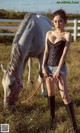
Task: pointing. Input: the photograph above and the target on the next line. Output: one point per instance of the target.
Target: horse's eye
(10, 86)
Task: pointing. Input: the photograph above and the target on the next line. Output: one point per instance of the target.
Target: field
(33, 117)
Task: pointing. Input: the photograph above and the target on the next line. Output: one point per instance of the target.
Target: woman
(56, 47)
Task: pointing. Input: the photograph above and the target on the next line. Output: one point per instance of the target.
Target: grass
(33, 117)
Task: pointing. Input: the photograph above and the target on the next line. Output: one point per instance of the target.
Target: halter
(19, 85)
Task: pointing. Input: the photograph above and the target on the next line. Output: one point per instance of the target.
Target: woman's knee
(50, 87)
(64, 90)
(51, 92)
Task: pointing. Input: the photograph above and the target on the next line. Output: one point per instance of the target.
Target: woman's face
(58, 22)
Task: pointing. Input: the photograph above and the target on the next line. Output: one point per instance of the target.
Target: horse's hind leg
(28, 60)
(43, 89)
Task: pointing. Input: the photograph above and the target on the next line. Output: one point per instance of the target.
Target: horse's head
(11, 85)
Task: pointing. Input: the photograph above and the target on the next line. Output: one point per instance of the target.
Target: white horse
(29, 41)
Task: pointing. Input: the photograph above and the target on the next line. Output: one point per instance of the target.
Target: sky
(70, 6)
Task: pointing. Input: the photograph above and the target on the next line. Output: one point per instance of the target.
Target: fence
(74, 28)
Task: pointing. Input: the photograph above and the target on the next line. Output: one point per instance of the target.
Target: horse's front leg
(43, 89)
(30, 68)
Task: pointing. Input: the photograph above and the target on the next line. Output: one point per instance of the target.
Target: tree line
(6, 14)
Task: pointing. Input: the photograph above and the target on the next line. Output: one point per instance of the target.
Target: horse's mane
(16, 54)
(16, 57)
(27, 17)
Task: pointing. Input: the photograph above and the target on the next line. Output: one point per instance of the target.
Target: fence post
(75, 29)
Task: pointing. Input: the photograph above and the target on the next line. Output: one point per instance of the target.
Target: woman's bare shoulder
(49, 33)
(67, 36)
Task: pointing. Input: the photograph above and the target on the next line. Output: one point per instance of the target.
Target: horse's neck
(16, 62)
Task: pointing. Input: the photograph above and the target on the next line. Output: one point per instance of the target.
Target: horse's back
(45, 23)
(31, 33)
(22, 26)
(45, 20)
(42, 23)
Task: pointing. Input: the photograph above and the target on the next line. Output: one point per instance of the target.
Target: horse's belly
(36, 50)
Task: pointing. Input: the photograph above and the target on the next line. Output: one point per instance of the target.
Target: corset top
(55, 52)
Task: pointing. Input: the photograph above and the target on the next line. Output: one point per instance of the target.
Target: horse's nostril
(10, 86)
(10, 103)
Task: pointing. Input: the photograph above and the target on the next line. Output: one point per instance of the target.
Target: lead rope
(50, 77)
(25, 101)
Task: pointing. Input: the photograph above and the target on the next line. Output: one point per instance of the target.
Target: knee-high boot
(70, 110)
(51, 101)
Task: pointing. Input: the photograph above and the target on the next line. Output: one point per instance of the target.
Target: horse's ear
(4, 70)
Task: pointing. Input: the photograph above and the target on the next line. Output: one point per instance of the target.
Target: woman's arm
(45, 57)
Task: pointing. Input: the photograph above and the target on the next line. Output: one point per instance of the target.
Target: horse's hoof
(32, 82)
(44, 94)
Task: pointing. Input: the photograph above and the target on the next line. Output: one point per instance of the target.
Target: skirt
(52, 69)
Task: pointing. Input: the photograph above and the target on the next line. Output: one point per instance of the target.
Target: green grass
(33, 117)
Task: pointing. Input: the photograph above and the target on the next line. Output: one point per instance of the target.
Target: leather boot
(51, 101)
(70, 110)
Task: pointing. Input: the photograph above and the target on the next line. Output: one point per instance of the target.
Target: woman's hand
(56, 75)
(45, 71)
